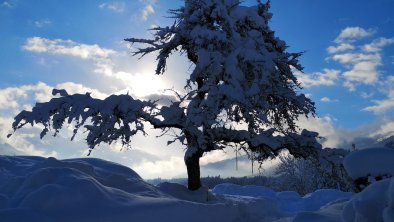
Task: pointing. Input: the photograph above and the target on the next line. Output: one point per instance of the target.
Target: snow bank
(374, 203)
(370, 162)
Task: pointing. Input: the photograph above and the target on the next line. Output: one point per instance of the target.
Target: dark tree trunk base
(193, 171)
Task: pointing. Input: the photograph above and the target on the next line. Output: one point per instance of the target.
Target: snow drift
(88, 189)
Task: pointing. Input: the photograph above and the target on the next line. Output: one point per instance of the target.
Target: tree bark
(193, 171)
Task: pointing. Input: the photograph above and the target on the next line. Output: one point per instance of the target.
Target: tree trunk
(193, 171)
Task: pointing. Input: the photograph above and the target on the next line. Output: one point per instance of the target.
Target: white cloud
(148, 10)
(15, 99)
(352, 34)
(362, 62)
(362, 72)
(215, 156)
(325, 99)
(354, 58)
(326, 78)
(21, 141)
(324, 126)
(377, 44)
(117, 7)
(340, 48)
(66, 47)
(73, 88)
(42, 23)
(139, 84)
(363, 136)
(384, 130)
(363, 68)
(7, 4)
(386, 104)
(166, 168)
(11, 97)
(104, 63)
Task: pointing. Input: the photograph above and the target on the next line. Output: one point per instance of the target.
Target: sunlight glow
(145, 84)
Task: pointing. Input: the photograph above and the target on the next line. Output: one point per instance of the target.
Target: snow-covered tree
(241, 92)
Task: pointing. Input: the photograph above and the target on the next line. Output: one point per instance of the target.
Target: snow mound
(47, 189)
(370, 162)
(374, 203)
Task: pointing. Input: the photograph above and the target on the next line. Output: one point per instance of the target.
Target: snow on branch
(165, 43)
(267, 145)
(116, 117)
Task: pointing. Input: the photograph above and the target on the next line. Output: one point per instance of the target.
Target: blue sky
(77, 45)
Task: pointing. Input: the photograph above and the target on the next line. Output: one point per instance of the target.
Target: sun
(143, 84)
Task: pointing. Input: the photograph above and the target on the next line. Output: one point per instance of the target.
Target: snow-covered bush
(307, 175)
(369, 165)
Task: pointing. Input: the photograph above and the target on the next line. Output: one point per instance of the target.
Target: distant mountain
(8, 150)
(227, 168)
(386, 142)
(369, 142)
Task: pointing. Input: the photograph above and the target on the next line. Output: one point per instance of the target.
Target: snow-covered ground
(47, 189)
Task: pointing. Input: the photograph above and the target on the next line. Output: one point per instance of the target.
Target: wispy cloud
(117, 7)
(42, 23)
(377, 44)
(383, 105)
(340, 48)
(7, 4)
(104, 63)
(148, 9)
(66, 47)
(354, 58)
(326, 78)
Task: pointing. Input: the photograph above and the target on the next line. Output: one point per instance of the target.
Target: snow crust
(88, 189)
(370, 162)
